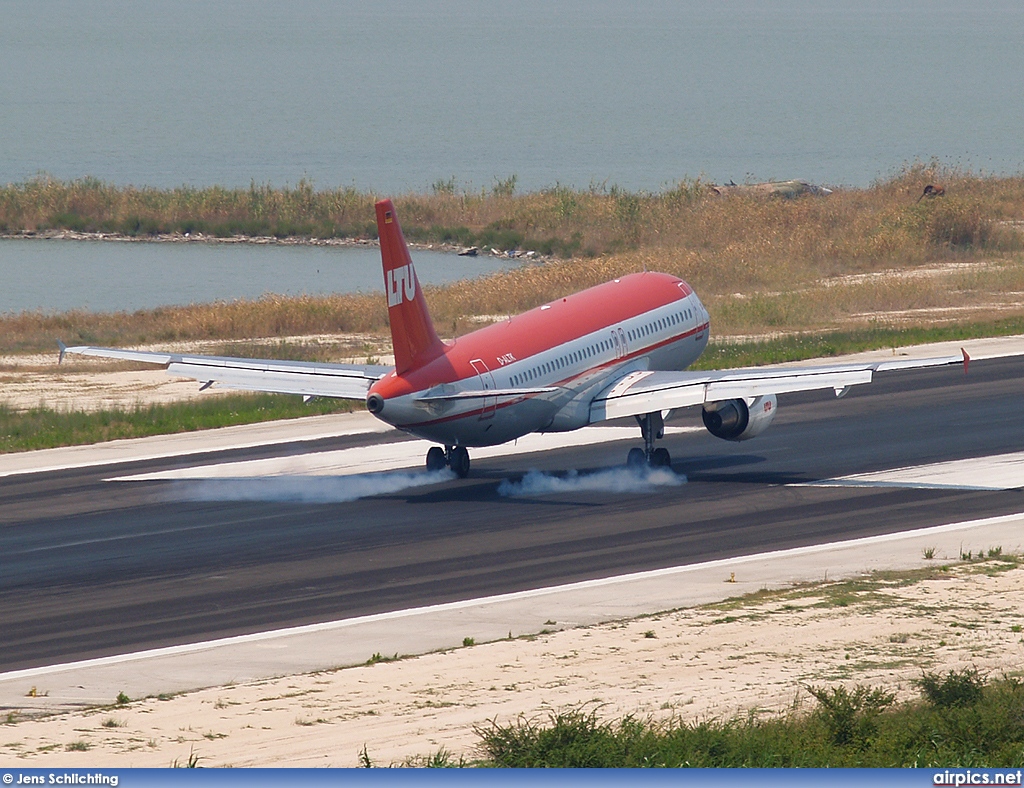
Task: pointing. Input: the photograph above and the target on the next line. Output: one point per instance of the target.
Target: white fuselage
(669, 337)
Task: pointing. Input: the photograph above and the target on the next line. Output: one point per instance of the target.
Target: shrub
(957, 688)
(850, 716)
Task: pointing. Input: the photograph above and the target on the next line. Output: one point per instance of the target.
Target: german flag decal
(387, 217)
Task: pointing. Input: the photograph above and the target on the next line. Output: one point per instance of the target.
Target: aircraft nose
(375, 404)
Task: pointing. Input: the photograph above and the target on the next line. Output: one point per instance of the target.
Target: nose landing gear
(652, 427)
(454, 457)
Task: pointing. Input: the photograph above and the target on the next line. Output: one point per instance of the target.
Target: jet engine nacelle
(738, 420)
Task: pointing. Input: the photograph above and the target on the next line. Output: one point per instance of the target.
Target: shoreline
(267, 240)
(259, 240)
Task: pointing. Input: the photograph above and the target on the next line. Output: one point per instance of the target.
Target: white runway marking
(305, 489)
(390, 456)
(999, 472)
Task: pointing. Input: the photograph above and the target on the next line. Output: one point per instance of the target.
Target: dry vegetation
(858, 257)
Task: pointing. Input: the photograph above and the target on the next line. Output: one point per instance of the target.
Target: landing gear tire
(636, 459)
(458, 461)
(660, 458)
(435, 459)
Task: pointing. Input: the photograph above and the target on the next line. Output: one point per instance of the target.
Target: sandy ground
(753, 655)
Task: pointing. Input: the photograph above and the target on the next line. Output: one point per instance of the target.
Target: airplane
(619, 349)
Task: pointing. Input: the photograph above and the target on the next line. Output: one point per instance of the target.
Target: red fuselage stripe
(608, 364)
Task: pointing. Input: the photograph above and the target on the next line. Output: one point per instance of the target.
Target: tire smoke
(614, 480)
(306, 489)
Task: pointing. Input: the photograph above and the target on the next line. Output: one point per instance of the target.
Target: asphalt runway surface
(91, 568)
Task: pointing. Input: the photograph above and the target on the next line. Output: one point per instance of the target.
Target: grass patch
(884, 221)
(721, 354)
(378, 658)
(42, 428)
(862, 727)
(865, 591)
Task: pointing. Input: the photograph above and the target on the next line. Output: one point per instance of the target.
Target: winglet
(63, 350)
(967, 359)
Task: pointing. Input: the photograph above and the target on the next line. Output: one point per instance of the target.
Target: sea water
(55, 275)
(397, 96)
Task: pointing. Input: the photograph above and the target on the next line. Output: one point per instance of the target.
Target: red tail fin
(412, 330)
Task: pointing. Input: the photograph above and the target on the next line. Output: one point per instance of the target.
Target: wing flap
(647, 392)
(743, 389)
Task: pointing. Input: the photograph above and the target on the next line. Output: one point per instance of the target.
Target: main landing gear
(454, 457)
(652, 428)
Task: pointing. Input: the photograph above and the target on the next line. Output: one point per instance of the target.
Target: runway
(92, 567)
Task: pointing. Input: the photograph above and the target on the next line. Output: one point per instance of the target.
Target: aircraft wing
(310, 379)
(646, 392)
